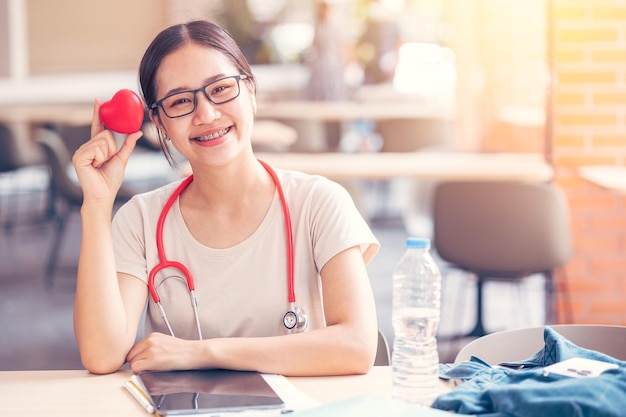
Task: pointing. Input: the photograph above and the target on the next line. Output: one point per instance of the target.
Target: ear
(156, 119)
(253, 103)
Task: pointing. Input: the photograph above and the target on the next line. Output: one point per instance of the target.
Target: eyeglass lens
(217, 92)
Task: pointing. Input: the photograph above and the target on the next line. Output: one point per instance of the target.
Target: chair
(16, 154)
(502, 230)
(519, 344)
(382, 353)
(66, 191)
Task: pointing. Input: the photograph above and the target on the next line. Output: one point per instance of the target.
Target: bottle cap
(417, 243)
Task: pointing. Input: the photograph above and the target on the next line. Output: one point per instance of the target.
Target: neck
(231, 186)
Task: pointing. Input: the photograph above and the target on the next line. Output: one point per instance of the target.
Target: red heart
(123, 113)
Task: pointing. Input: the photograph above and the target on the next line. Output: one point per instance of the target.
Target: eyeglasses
(184, 103)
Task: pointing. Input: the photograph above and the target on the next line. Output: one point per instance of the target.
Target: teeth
(213, 135)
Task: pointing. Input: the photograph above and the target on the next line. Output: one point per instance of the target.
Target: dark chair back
(502, 230)
(59, 160)
(16, 154)
(505, 229)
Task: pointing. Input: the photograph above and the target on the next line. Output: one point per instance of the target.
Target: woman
(227, 227)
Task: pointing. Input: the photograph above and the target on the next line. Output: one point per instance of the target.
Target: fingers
(97, 127)
(101, 149)
(96, 151)
(96, 123)
(128, 146)
(135, 357)
(150, 353)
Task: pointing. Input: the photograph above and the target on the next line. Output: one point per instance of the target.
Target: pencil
(139, 396)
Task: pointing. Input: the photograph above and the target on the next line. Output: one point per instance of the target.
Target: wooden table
(78, 393)
(43, 114)
(349, 110)
(420, 165)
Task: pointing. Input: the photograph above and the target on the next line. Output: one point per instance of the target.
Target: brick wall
(503, 51)
(589, 97)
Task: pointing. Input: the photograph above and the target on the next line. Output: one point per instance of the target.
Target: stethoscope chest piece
(295, 320)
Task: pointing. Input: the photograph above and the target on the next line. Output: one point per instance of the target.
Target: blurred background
(544, 79)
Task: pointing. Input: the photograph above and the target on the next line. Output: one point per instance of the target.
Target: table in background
(419, 165)
(79, 393)
(321, 125)
(43, 114)
(610, 177)
(349, 110)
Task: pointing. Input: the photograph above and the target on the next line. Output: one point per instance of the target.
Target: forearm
(100, 320)
(334, 350)
(346, 346)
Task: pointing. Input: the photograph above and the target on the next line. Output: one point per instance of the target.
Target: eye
(178, 100)
(220, 89)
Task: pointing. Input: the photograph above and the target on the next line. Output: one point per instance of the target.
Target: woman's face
(212, 134)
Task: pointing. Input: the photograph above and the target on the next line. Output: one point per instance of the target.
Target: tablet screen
(203, 391)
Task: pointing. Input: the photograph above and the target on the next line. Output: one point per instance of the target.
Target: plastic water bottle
(415, 315)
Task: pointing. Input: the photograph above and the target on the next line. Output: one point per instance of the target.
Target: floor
(37, 322)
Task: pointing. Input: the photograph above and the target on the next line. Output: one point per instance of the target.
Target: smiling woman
(186, 253)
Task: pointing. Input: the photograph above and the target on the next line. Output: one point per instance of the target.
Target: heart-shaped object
(123, 113)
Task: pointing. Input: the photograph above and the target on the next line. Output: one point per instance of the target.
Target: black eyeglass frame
(195, 92)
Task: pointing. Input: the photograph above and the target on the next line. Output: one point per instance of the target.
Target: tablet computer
(176, 393)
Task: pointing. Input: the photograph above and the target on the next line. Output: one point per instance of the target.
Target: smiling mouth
(213, 136)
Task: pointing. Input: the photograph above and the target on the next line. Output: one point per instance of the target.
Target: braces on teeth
(214, 135)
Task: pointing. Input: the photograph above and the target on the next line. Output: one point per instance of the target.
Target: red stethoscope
(294, 320)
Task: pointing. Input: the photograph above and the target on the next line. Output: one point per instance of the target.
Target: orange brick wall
(589, 127)
(503, 51)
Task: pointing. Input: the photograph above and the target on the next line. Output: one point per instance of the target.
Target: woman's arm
(346, 346)
(107, 308)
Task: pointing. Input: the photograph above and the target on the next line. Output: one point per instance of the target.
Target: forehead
(190, 66)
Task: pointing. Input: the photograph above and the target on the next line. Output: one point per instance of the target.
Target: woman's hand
(162, 352)
(99, 164)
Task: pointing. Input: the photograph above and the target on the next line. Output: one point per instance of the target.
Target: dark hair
(201, 32)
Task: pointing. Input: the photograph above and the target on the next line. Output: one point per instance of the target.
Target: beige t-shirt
(242, 290)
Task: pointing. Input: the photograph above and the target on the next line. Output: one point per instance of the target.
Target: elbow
(362, 358)
(362, 366)
(100, 356)
(100, 366)
(364, 361)
(359, 363)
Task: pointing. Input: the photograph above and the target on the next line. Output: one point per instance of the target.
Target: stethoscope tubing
(165, 263)
(289, 234)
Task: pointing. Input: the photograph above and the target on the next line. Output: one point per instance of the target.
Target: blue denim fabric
(526, 392)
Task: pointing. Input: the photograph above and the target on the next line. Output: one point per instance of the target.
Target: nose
(206, 111)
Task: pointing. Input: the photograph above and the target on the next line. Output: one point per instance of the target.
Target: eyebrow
(204, 83)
